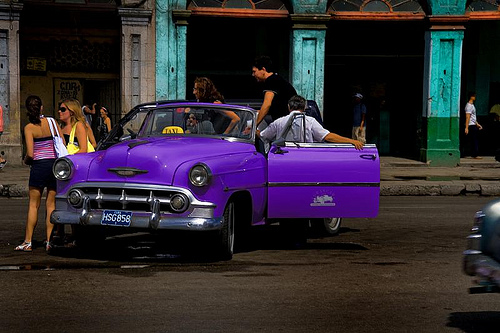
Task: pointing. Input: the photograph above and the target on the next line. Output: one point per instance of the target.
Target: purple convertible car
(200, 168)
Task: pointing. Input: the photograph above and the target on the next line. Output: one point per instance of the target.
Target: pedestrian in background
(2, 160)
(40, 156)
(472, 127)
(359, 119)
(104, 123)
(89, 113)
(92, 118)
(277, 91)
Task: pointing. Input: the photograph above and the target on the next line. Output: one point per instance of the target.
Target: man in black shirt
(277, 91)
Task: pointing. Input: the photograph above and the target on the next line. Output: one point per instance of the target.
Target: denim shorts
(41, 175)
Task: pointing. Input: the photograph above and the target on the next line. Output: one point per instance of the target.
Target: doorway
(384, 62)
(223, 49)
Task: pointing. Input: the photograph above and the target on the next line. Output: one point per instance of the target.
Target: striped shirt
(43, 148)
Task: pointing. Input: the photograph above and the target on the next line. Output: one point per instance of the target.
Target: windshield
(200, 120)
(184, 119)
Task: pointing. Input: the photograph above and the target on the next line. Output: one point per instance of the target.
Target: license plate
(116, 217)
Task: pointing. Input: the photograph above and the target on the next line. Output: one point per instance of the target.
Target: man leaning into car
(314, 132)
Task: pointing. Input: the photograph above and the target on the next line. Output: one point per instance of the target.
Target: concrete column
(11, 142)
(138, 66)
(171, 36)
(308, 55)
(442, 75)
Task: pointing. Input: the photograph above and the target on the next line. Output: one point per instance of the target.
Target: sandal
(48, 246)
(25, 246)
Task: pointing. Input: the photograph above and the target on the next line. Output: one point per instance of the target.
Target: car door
(318, 180)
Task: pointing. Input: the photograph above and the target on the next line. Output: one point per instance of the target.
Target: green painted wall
(443, 56)
(447, 7)
(308, 63)
(170, 51)
(309, 6)
(442, 141)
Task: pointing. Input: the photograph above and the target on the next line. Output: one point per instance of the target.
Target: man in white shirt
(314, 132)
(472, 126)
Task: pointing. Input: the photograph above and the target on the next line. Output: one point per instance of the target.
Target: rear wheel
(327, 226)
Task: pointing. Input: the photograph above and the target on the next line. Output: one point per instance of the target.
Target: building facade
(414, 61)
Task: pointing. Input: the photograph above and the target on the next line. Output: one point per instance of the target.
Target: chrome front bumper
(139, 220)
(485, 268)
(152, 215)
(472, 254)
(475, 263)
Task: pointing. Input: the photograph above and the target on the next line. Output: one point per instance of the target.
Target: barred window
(483, 5)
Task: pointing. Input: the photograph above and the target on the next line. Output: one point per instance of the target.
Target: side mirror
(279, 143)
(125, 138)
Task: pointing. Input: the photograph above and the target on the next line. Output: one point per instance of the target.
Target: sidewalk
(398, 176)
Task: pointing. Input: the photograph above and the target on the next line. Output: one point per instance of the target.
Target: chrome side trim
(244, 188)
(325, 145)
(336, 184)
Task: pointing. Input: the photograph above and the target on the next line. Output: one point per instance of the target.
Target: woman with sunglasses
(40, 155)
(73, 119)
(70, 113)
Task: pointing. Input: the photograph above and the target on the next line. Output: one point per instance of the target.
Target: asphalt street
(399, 272)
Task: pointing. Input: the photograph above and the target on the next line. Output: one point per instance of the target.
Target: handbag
(59, 146)
(73, 148)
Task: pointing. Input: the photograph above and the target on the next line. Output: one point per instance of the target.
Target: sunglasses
(63, 109)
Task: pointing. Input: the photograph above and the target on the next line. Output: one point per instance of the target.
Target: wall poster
(67, 88)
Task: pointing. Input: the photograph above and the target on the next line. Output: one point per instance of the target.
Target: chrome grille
(133, 199)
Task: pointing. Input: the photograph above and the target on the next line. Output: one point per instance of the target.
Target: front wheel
(225, 237)
(327, 226)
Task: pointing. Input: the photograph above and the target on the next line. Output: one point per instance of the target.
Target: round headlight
(179, 202)
(63, 169)
(75, 198)
(200, 175)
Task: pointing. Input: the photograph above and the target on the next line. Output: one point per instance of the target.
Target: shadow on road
(184, 247)
(475, 322)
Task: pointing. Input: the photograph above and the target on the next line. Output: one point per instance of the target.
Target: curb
(450, 189)
(13, 190)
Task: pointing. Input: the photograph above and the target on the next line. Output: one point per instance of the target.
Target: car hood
(154, 160)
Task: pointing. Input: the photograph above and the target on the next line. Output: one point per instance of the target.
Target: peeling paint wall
(171, 51)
